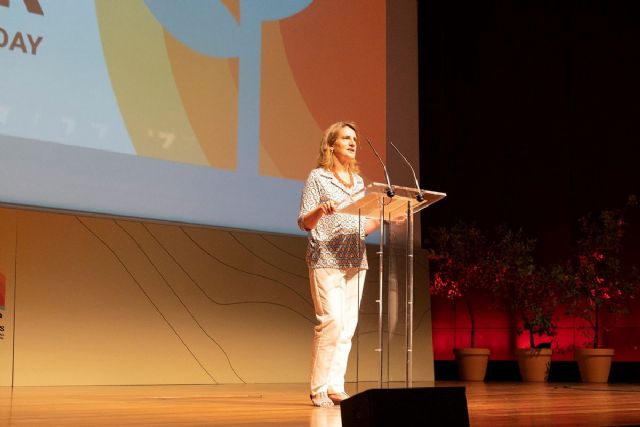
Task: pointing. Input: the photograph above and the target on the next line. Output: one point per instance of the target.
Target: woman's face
(344, 149)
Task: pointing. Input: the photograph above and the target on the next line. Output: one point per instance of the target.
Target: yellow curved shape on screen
(208, 89)
(143, 83)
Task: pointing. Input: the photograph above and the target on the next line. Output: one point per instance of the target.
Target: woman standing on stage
(336, 259)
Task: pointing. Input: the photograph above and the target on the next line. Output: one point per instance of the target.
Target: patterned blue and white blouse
(338, 239)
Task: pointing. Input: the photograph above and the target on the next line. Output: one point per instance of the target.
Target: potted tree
(461, 274)
(530, 293)
(598, 285)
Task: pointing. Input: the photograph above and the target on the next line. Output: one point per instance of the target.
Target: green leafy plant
(597, 281)
(535, 302)
(528, 291)
(461, 266)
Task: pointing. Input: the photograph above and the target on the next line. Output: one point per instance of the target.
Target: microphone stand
(420, 195)
(390, 191)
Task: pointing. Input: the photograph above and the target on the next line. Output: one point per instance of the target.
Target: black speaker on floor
(422, 406)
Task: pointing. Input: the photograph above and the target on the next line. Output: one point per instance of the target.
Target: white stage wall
(95, 300)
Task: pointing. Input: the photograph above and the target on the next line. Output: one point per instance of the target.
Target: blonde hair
(325, 158)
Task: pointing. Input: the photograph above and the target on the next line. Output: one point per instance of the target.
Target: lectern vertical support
(380, 290)
(409, 299)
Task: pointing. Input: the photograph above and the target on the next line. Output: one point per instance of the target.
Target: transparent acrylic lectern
(396, 253)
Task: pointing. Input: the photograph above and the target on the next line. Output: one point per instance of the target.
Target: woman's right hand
(328, 207)
(310, 221)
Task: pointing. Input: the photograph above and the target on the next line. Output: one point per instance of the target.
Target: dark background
(529, 112)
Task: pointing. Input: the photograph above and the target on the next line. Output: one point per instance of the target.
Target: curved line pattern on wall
(262, 276)
(281, 249)
(193, 317)
(209, 297)
(141, 288)
(264, 260)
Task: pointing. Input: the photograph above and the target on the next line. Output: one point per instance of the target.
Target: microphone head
(390, 192)
(420, 197)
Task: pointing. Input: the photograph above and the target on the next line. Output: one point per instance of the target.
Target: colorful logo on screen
(19, 40)
(33, 6)
(244, 86)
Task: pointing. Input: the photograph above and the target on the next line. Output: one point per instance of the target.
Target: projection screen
(201, 111)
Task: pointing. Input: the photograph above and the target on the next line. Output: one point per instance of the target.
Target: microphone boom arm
(420, 195)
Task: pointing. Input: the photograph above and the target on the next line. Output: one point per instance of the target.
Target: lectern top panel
(373, 198)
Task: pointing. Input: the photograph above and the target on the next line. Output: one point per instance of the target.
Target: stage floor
(490, 404)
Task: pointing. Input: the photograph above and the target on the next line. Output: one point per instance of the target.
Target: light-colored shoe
(336, 398)
(321, 400)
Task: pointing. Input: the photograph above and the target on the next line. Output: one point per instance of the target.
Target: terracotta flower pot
(472, 363)
(534, 363)
(594, 364)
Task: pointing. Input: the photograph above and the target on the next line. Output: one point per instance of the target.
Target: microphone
(420, 195)
(390, 192)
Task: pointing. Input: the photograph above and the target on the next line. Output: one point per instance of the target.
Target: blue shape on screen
(63, 92)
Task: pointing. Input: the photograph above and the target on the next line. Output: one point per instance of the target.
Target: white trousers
(336, 298)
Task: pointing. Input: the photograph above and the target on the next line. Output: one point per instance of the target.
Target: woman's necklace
(343, 182)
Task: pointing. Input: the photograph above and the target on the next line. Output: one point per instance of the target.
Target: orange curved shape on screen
(289, 134)
(337, 53)
(208, 90)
